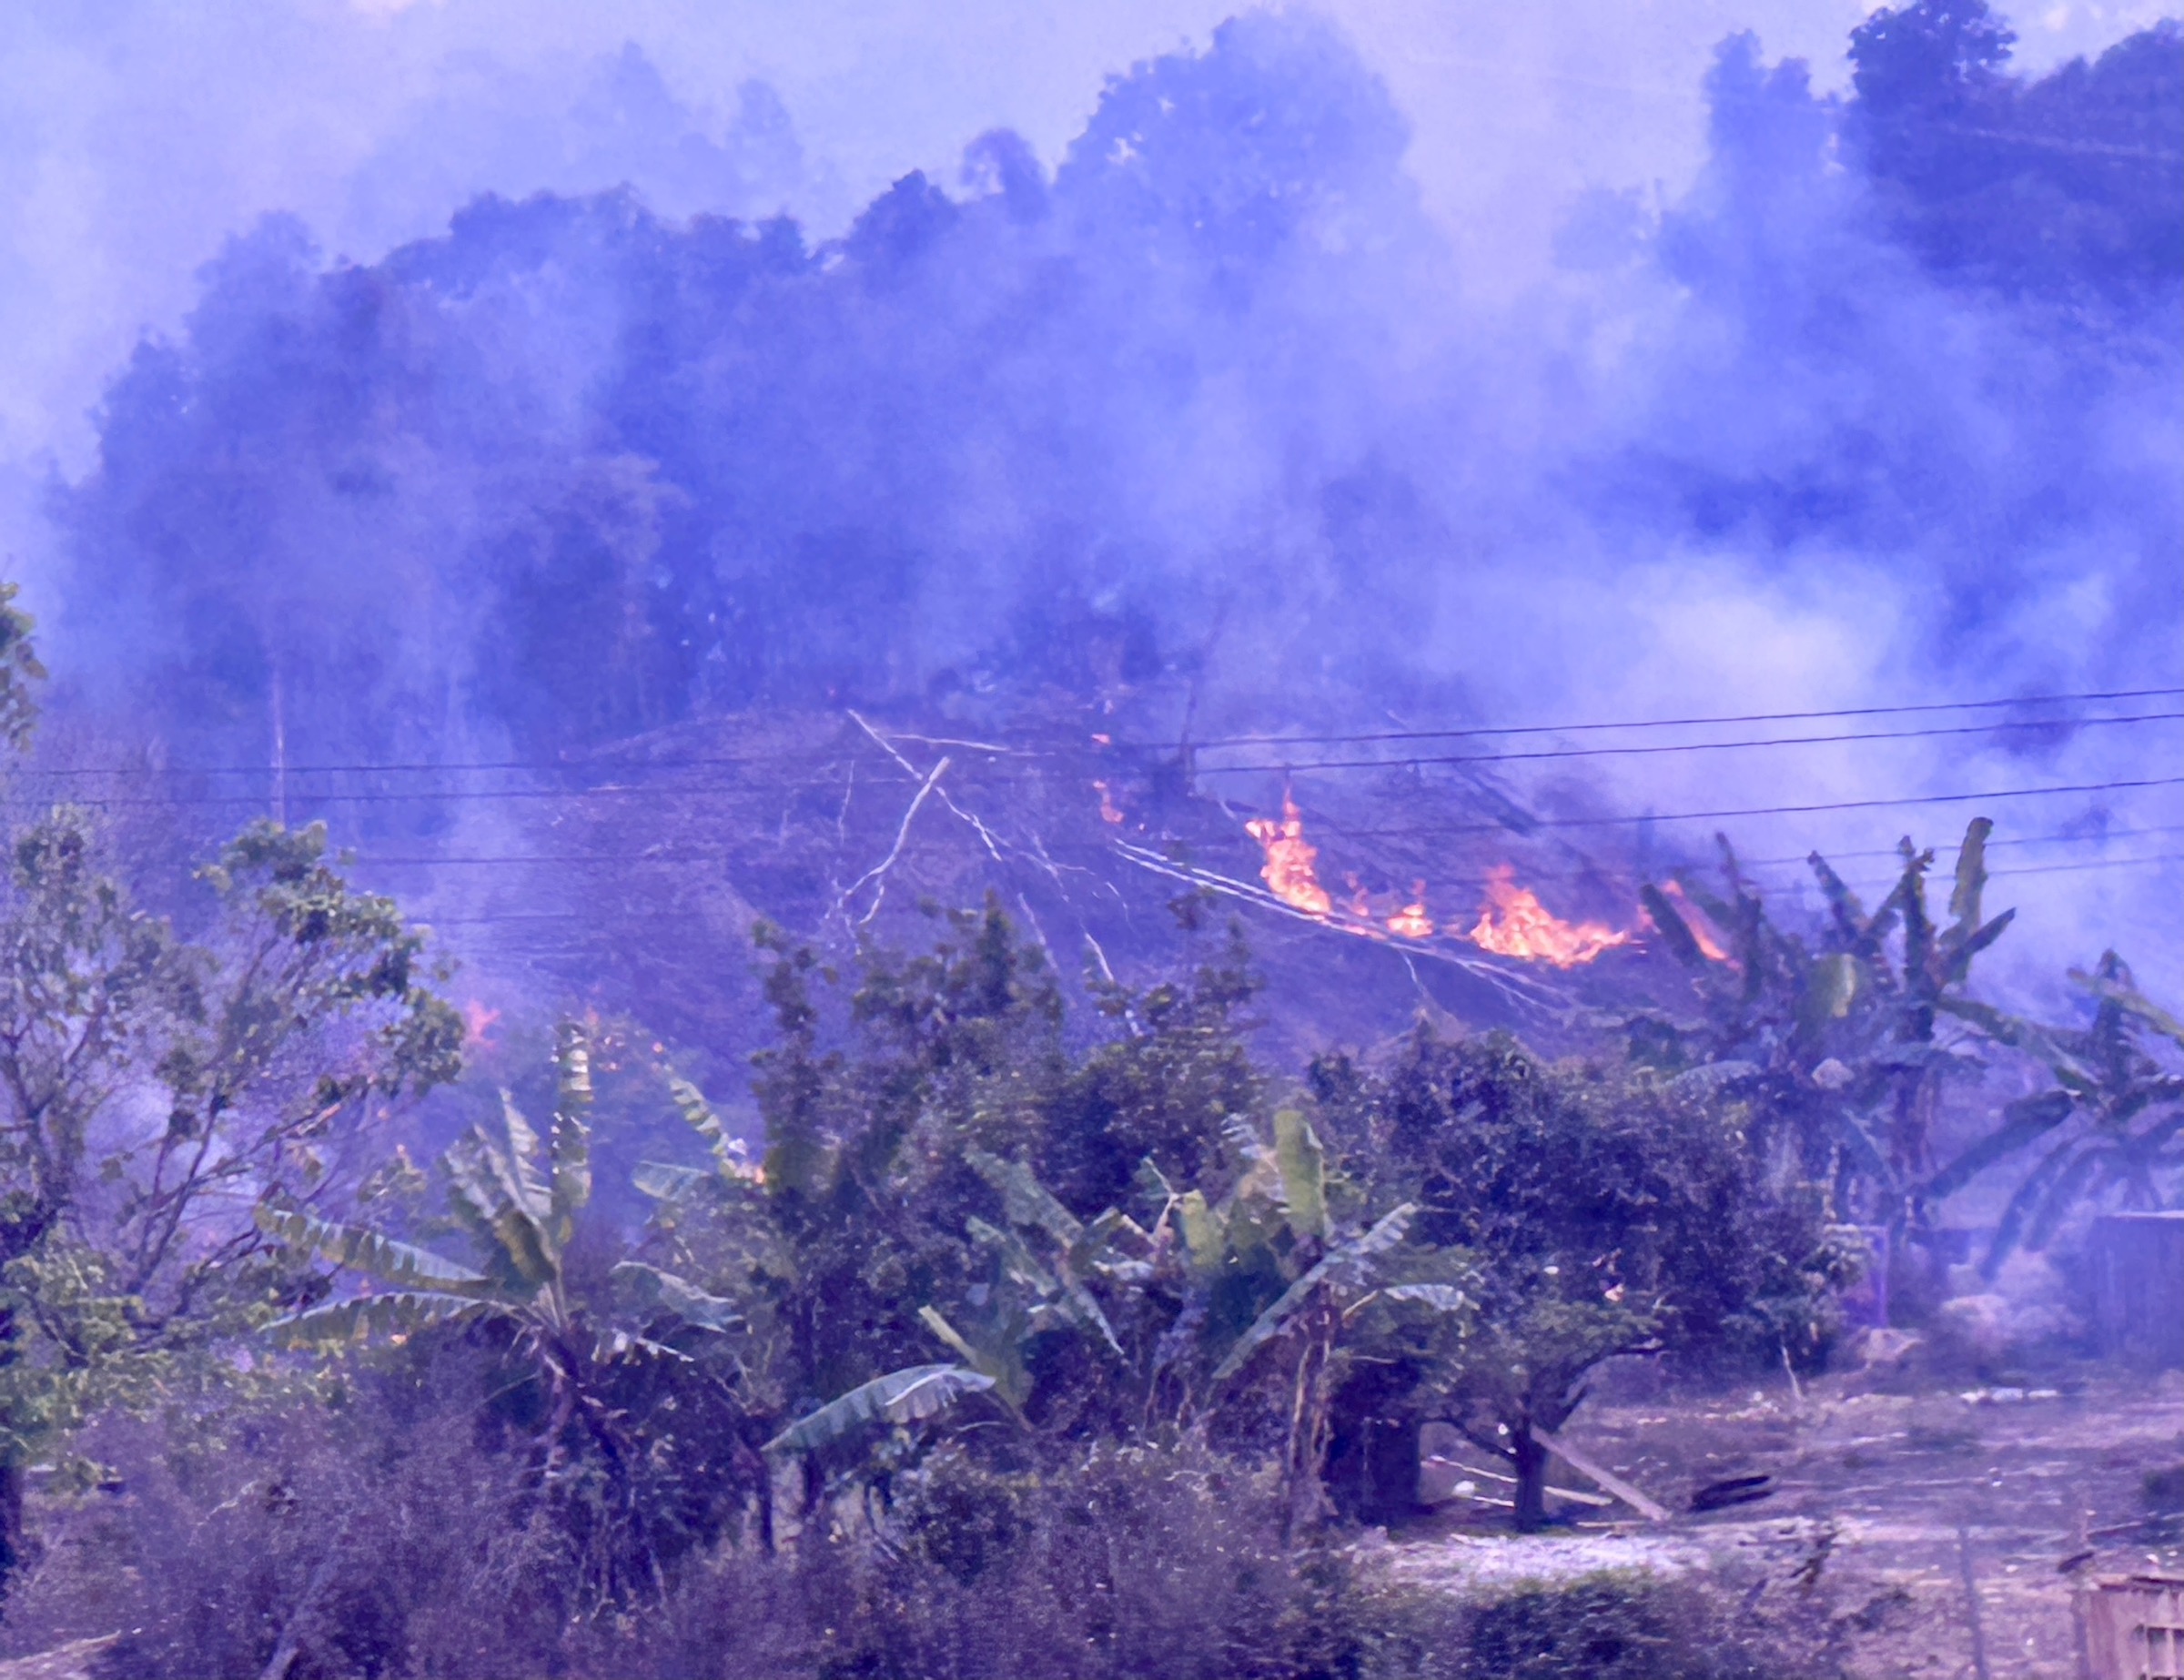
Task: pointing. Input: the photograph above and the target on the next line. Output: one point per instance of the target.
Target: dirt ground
(1886, 1502)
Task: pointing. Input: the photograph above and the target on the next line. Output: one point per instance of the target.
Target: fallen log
(1648, 1509)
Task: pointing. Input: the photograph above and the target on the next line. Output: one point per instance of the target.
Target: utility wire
(426, 919)
(1677, 723)
(731, 761)
(620, 790)
(1678, 746)
(1702, 816)
(382, 861)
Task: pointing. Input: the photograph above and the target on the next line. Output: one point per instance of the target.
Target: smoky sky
(1877, 403)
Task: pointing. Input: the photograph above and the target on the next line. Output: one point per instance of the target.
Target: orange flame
(1694, 918)
(1109, 812)
(1411, 921)
(478, 1022)
(1289, 872)
(1528, 929)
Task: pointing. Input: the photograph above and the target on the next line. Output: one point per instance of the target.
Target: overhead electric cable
(1408, 760)
(1681, 722)
(729, 761)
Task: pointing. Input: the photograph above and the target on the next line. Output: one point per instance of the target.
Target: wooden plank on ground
(1607, 1479)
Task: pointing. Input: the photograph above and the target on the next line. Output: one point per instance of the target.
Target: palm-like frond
(1024, 1199)
(906, 1396)
(571, 1149)
(399, 1312)
(1303, 1165)
(382, 1259)
(1340, 1265)
(664, 1288)
(489, 1196)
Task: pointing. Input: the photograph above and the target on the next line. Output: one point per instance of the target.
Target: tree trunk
(1531, 1480)
(14, 1544)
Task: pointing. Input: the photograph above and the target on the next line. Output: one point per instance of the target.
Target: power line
(1679, 746)
(722, 856)
(426, 919)
(731, 761)
(1680, 723)
(623, 791)
(1837, 804)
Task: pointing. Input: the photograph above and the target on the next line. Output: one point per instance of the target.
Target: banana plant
(520, 1198)
(2112, 1124)
(1042, 1264)
(1836, 1040)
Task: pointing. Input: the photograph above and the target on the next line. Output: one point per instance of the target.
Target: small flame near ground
(1411, 922)
(1527, 929)
(1291, 869)
(478, 1023)
(1513, 922)
(1109, 812)
(1701, 924)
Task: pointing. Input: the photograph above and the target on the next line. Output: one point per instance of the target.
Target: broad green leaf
(1340, 1264)
(906, 1396)
(666, 1289)
(1091, 1249)
(2022, 1121)
(2023, 1204)
(933, 1320)
(1832, 987)
(1918, 928)
(519, 1163)
(1017, 1261)
(663, 1182)
(1971, 878)
(1201, 1232)
(1850, 914)
(1024, 1199)
(481, 1189)
(1674, 931)
(571, 1150)
(1961, 955)
(381, 1258)
(1441, 1297)
(366, 1317)
(2132, 1001)
(1004, 1363)
(1298, 1154)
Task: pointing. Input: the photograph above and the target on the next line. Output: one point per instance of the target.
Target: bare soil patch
(1885, 1502)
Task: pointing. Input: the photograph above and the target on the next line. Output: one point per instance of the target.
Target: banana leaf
(2023, 1121)
(1023, 1199)
(381, 1258)
(1338, 1265)
(571, 1149)
(480, 1190)
(663, 1289)
(1674, 931)
(1297, 1155)
(663, 1182)
(1971, 879)
(906, 1396)
(401, 1313)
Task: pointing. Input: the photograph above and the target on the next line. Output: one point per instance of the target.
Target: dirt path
(1888, 1499)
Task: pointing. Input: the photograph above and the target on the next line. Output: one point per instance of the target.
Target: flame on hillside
(1109, 812)
(1514, 922)
(1411, 921)
(1291, 869)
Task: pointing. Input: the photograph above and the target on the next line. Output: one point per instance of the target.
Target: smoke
(1884, 410)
